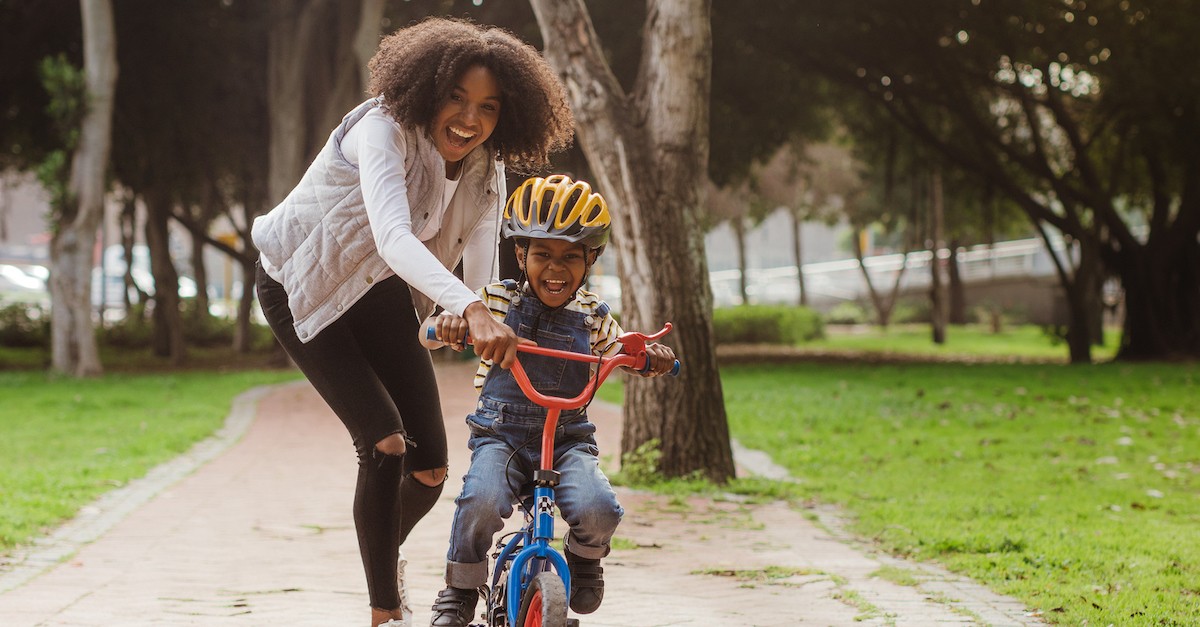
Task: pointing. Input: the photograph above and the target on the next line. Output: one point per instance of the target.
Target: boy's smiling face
(554, 268)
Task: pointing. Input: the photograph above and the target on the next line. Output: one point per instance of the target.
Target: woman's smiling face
(554, 268)
(468, 118)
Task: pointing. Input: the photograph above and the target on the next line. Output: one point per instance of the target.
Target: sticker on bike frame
(545, 505)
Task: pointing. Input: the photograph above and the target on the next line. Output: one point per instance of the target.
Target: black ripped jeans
(370, 369)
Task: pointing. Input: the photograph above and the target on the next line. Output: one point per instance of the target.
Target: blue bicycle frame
(533, 552)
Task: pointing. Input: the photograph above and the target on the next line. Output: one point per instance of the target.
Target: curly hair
(417, 67)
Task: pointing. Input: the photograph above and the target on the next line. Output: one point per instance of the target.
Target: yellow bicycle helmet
(556, 207)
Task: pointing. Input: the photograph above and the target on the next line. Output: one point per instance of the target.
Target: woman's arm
(379, 150)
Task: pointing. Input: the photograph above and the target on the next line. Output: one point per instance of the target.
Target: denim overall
(506, 435)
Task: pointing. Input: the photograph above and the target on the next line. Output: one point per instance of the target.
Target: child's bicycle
(530, 578)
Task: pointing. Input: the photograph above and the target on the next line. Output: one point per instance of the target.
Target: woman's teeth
(460, 136)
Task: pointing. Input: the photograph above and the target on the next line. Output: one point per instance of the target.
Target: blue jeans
(505, 446)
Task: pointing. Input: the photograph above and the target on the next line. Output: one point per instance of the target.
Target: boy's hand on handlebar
(451, 330)
(493, 340)
(661, 360)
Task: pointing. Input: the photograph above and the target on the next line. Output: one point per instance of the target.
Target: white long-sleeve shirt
(376, 145)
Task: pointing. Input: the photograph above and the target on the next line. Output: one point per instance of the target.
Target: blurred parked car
(23, 284)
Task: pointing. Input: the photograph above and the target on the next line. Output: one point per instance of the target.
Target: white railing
(842, 280)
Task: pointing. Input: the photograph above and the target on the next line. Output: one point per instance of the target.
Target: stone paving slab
(260, 533)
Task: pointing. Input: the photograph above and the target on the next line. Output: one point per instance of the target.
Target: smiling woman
(409, 184)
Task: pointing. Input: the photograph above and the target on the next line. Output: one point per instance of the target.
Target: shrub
(202, 331)
(848, 312)
(766, 324)
(132, 331)
(912, 311)
(24, 326)
(640, 467)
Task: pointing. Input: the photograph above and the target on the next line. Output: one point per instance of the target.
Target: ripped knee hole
(431, 478)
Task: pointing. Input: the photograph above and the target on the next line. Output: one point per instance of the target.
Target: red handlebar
(634, 356)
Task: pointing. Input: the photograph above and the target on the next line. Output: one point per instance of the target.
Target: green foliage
(54, 173)
(132, 331)
(847, 312)
(67, 87)
(911, 311)
(640, 469)
(203, 329)
(766, 324)
(641, 466)
(24, 326)
(136, 330)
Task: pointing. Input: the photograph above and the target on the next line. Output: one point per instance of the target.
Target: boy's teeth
(461, 133)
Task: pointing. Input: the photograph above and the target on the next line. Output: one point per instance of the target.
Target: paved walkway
(253, 528)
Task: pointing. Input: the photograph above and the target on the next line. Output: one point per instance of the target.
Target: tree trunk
(168, 340)
(958, 291)
(242, 338)
(1162, 303)
(127, 225)
(1085, 301)
(316, 59)
(73, 338)
(200, 274)
(937, 290)
(73, 342)
(739, 238)
(649, 153)
(798, 257)
(883, 305)
(1075, 287)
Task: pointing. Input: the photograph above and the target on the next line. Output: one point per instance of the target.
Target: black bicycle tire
(548, 587)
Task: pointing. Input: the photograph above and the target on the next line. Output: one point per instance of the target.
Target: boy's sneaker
(587, 583)
(454, 607)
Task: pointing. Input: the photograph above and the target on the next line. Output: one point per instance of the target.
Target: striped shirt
(604, 332)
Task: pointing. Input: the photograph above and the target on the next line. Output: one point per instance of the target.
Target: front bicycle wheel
(544, 603)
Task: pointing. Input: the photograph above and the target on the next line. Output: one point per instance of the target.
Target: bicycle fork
(545, 479)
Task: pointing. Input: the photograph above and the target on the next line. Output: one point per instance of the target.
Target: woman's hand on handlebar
(493, 340)
(661, 360)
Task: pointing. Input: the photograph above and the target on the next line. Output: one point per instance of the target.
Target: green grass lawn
(66, 441)
(1075, 489)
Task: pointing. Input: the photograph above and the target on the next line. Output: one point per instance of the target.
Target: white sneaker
(405, 606)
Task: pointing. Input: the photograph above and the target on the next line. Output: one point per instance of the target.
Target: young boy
(560, 228)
